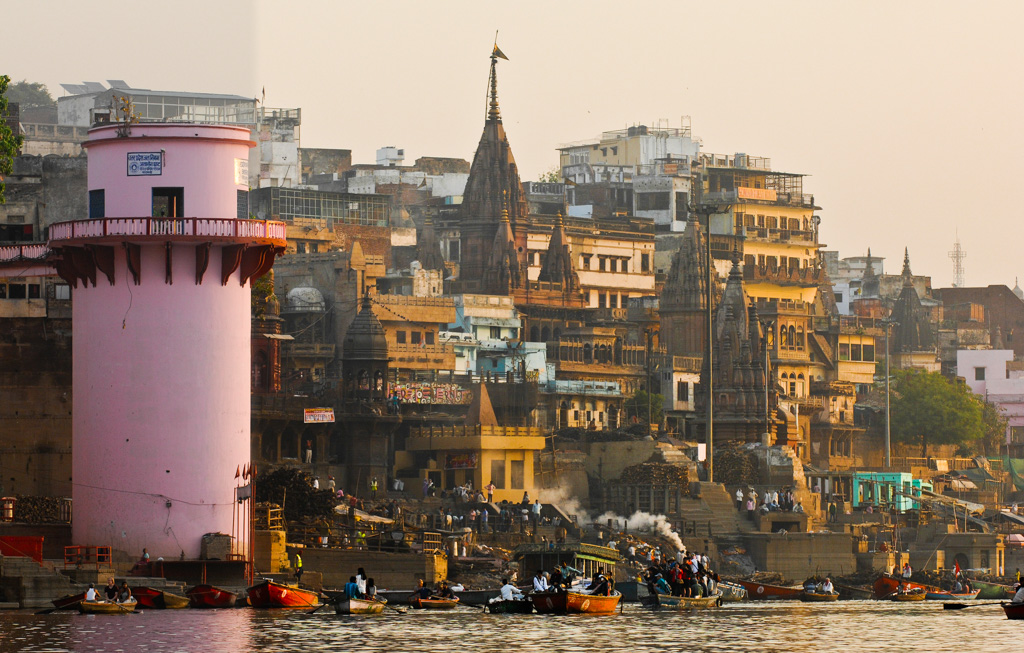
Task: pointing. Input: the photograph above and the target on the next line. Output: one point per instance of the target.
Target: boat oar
(396, 609)
(47, 611)
(964, 606)
(319, 607)
(126, 610)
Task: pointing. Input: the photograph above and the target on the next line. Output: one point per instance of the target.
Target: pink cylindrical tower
(161, 332)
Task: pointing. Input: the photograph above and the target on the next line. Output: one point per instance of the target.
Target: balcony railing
(10, 253)
(784, 275)
(196, 227)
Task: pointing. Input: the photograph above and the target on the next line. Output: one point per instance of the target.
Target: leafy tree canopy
(926, 408)
(637, 406)
(554, 175)
(10, 142)
(30, 94)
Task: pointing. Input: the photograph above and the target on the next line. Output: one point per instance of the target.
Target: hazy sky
(906, 115)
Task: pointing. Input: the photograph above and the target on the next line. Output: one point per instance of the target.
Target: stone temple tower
(161, 322)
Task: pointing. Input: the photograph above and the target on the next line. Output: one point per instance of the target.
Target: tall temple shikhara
(494, 210)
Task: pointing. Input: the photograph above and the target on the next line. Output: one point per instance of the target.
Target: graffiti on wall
(430, 393)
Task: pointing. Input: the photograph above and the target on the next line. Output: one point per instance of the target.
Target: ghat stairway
(711, 505)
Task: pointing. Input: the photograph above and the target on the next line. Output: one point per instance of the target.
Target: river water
(782, 626)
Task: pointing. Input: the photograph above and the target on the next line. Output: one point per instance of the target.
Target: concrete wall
(390, 571)
(799, 555)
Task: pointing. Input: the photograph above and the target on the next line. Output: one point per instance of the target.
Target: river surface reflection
(788, 626)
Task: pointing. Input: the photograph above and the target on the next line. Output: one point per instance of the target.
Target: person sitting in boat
(90, 594)
(111, 590)
(352, 589)
(125, 593)
(540, 584)
(600, 585)
(1017, 598)
(569, 574)
(958, 587)
(556, 581)
(421, 590)
(661, 585)
(371, 590)
(444, 591)
(827, 587)
(509, 591)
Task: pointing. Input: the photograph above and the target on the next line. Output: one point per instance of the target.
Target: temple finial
(493, 112)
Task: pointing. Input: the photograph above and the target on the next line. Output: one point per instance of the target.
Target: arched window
(268, 447)
(289, 444)
(557, 334)
(378, 381)
(785, 339)
(545, 334)
(792, 336)
(748, 262)
(534, 334)
(259, 371)
(364, 380)
(587, 353)
(800, 337)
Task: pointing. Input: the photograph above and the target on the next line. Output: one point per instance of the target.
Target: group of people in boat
(112, 593)
(361, 587)
(690, 578)
(824, 587)
(562, 577)
(440, 591)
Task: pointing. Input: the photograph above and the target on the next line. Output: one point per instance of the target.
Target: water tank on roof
(303, 299)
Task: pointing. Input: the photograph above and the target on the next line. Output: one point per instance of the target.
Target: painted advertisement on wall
(430, 393)
(460, 460)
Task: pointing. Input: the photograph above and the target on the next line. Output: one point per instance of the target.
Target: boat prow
(269, 594)
(107, 607)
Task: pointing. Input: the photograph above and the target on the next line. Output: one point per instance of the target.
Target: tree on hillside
(927, 408)
(993, 439)
(10, 142)
(30, 94)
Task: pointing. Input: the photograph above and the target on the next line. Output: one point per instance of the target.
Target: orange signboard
(767, 194)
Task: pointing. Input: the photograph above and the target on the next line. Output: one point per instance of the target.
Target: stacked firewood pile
(655, 474)
(37, 510)
(264, 510)
(734, 466)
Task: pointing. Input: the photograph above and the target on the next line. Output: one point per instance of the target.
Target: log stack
(37, 510)
(734, 466)
(655, 474)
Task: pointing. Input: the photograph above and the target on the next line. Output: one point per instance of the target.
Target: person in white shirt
(827, 586)
(739, 498)
(90, 594)
(509, 591)
(1019, 596)
(540, 584)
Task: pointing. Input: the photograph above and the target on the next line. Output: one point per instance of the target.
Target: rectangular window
(33, 291)
(495, 333)
(682, 202)
(645, 262)
(613, 265)
(979, 373)
(242, 212)
(652, 201)
(518, 474)
(400, 337)
(498, 474)
(300, 247)
(61, 291)
(16, 291)
(855, 354)
(869, 353)
(415, 336)
(839, 297)
(3, 291)
(844, 351)
(168, 202)
(601, 300)
(429, 336)
(601, 263)
(585, 261)
(613, 300)
(97, 204)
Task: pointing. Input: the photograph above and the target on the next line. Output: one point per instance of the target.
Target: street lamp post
(888, 461)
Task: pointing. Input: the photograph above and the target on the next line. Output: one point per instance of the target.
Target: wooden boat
(1013, 610)
(359, 606)
(849, 592)
(818, 597)
(993, 590)
(576, 602)
(515, 606)
(269, 594)
(433, 603)
(731, 592)
(208, 596)
(912, 595)
(159, 599)
(951, 596)
(664, 601)
(765, 592)
(69, 602)
(886, 585)
(107, 607)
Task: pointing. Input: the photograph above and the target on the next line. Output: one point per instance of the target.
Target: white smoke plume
(563, 497)
(645, 521)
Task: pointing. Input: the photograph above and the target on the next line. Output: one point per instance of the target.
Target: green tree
(30, 94)
(993, 440)
(10, 142)
(554, 175)
(637, 405)
(926, 408)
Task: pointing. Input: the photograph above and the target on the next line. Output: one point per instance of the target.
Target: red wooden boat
(433, 604)
(154, 599)
(69, 602)
(269, 594)
(575, 602)
(886, 585)
(208, 596)
(1013, 610)
(765, 592)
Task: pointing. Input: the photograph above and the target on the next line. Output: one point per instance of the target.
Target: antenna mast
(957, 254)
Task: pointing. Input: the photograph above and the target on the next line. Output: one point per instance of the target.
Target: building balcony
(770, 307)
(784, 276)
(422, 356)
(687, 363)
(478, 437)
(309, 350)
(163, 229)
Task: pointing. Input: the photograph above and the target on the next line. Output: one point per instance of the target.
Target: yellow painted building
(478, 453)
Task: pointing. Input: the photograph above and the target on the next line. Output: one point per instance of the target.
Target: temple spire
(908, 278)
(493, 112)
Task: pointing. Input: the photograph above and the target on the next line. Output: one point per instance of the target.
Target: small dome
(365, 338)
(304, 299)
(1016, 289)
